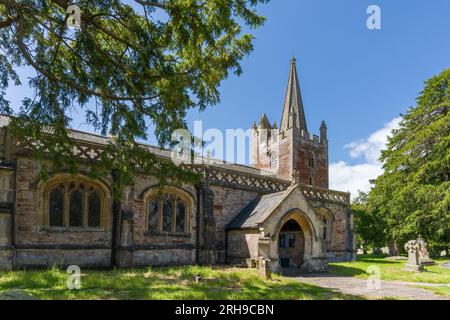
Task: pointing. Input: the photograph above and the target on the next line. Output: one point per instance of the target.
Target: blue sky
(357, 80)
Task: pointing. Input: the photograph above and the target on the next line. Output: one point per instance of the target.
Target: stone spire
(293, 112)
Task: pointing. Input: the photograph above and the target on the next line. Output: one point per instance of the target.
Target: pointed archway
(291, 245)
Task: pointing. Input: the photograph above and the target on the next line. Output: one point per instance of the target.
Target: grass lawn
(443, 291)
(391, 270)
(162, 283)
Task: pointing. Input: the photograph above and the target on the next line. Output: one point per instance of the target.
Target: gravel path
(387, 289)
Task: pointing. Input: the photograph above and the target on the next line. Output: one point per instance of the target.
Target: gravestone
(424, 256)
(251, 263)
(446, 265)
(264, 268)
(413, 264)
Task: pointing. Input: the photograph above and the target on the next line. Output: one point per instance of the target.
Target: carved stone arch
(305, 223)
(324, 210)
(155, 187)
(38, 182)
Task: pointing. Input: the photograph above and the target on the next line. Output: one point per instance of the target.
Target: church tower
(291, 151)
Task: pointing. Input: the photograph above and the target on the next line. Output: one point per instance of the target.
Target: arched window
(326, 219)
(74, 202)
(167, 212)
(325, 228)
(311, 160)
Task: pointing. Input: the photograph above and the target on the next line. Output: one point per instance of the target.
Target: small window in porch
(287, 241)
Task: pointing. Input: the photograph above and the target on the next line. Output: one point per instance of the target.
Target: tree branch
(152, 4)
(8, 22)
(50, 76)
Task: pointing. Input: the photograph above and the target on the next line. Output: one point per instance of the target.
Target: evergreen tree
(131, 66)
(413, 193)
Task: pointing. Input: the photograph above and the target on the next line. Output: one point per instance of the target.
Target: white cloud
(347, 177)
(371, 147)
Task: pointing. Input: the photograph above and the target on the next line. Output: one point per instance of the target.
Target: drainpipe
(115, 237)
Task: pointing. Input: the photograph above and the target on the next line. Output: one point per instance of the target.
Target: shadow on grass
(379, 261)
(344, 271)
(165, 284)
(333, 271)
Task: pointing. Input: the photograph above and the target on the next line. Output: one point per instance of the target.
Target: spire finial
(293, 60)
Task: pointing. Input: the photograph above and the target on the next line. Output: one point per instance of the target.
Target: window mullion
(66, 206)
(160, 214)
(85, 206)
(174, 214)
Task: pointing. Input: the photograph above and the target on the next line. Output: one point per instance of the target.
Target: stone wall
(40, 245)
(153, 248)
(286, 152)
(142, 258)
(292, 149)
(340, 247)
(242, 244)
(303, 146)
(21, 205)
(227, 204)
(30, 211)
(31, 258)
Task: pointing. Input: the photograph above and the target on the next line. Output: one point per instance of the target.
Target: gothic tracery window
(167, 213)
(74, 203)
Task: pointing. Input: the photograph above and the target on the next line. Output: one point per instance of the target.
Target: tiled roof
(257, 210)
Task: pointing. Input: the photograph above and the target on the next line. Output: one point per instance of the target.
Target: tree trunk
(393, 249)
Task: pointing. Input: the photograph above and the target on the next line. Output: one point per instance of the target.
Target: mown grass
(443, 291)
(392, 270)
(164, 283)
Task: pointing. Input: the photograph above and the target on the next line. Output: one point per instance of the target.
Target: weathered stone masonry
(235, 214)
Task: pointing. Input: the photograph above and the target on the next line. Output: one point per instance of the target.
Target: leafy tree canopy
(125, 68)
(413, 194)
(370, 226)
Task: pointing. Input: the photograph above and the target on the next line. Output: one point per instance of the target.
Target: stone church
(235, 216)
